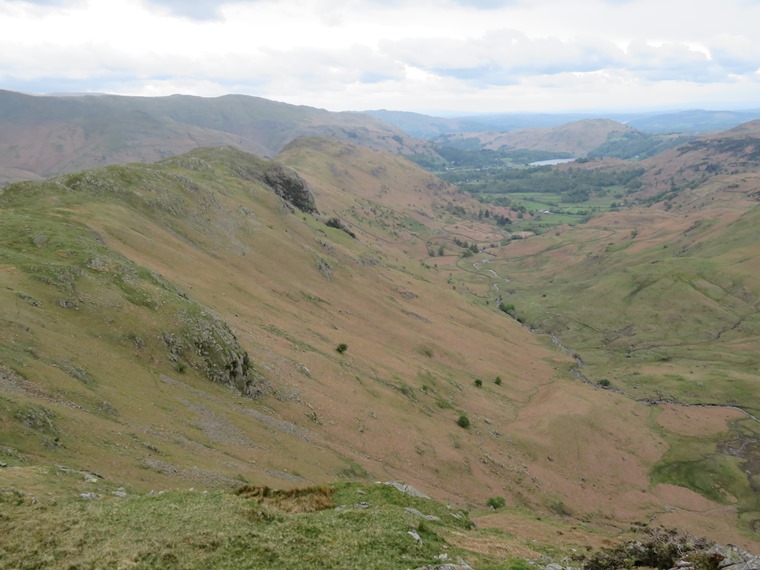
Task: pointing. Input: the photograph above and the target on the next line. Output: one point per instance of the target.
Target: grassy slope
(347, 526)
(662, 303)
(96, 267)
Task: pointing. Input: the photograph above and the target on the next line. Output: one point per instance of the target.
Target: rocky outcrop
(289, 186)
(664, 549)
(207, 344)
(283, 181)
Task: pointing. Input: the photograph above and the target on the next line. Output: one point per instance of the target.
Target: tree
(508, 308)
(496, 502)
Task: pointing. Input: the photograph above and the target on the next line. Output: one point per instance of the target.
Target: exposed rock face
(289, 186)
(407, 489)
(208, 344)
(664, 549)
(283, 181)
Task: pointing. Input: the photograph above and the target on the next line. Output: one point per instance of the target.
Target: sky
(431, 56)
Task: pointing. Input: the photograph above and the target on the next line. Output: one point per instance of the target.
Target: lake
(551, 162)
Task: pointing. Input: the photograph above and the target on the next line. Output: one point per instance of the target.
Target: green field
(545, 197)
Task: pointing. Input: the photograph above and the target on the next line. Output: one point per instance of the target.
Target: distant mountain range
(690, 122)
(576, 138)
(42, 136)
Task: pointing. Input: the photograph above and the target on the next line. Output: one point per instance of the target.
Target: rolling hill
(697, 121)
(42, 136)
(577, 138)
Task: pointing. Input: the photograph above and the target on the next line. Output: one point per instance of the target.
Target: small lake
(552, 162)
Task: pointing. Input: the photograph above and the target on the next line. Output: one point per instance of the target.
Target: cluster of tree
(500, 219)
(432, 252)
(574, 185)
(467, 154)
(469, 247)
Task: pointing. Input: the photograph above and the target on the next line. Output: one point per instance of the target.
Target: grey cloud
(505, 57)
(501, 57)
(672, 61)
(313, 69)
(737, 54)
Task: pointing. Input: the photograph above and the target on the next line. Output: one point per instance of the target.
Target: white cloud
(418, 55)
(195, 9)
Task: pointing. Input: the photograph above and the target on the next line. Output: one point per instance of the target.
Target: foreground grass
(345, 526)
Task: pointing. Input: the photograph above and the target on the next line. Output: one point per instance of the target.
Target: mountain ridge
(48, 135)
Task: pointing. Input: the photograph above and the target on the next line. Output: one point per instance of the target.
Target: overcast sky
(432, 56)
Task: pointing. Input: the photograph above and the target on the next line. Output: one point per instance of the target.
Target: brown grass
(298, 500)
(696, 421)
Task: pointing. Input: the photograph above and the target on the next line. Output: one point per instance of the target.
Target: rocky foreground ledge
(664, 549)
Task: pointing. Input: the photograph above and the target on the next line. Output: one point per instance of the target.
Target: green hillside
(660, 303)
(216, 320)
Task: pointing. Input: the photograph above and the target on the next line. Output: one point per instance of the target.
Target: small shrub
(478, 383)
(341, 348)
(508, 308)
(559, 508)
(604, 383)
(338, 224)
(497, 381)
(407, 391)
(496, 502)
(425, 351)
(463, 421)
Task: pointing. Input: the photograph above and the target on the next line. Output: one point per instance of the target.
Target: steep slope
(42, 136)
(722, 163)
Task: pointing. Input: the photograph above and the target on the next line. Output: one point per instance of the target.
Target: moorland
(222, 342)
